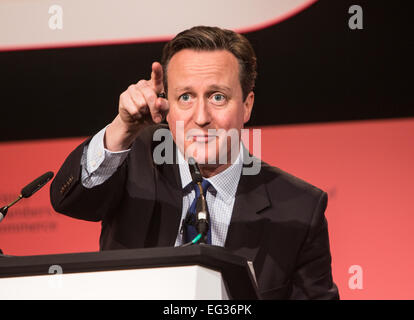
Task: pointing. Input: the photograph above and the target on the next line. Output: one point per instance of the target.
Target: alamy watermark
(56, 281)
(55, 21)
(356, 280)
(355, 22)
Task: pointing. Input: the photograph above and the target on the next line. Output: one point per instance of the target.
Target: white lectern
(197, 272)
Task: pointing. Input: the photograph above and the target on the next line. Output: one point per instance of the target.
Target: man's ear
(248, 106)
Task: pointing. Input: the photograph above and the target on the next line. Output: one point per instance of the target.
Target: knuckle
(122, 100)
(132, 90)
(141, 83)
(140, 101)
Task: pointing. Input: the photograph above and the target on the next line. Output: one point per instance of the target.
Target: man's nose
(201, 115)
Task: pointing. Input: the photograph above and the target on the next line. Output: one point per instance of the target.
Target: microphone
(28, 191)
(202, 215)
(195, 171)
(36, 184)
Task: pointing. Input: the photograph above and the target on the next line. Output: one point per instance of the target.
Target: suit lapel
(167, 212)
(247, 226)
(169, 202)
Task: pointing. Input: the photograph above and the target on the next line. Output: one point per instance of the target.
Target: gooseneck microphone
(28, 191)
(202, 215)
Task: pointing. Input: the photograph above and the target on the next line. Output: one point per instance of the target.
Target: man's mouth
(204, 138)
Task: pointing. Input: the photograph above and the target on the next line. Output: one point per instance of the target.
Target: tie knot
(205, 184)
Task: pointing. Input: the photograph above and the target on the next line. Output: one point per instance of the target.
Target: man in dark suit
(204, 88)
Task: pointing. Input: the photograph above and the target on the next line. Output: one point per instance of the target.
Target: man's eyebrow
(183, 89)
(213, 87)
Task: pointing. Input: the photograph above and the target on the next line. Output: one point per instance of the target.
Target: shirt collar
(225, 183)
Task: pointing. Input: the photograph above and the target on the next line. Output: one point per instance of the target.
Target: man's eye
(185, 97)
(219, 98)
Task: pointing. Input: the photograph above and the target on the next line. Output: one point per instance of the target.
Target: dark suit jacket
(278, 220)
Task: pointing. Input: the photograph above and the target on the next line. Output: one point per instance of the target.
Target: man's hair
(203, 38)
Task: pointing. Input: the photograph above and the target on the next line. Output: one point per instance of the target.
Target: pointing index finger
(157, 77)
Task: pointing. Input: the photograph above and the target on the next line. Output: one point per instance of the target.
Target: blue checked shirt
(98, 164)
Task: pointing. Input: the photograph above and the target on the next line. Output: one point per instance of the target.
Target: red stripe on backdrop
(365, 166)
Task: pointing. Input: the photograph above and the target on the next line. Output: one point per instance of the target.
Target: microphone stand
(26, 192)
(202, 216)
(3, 211)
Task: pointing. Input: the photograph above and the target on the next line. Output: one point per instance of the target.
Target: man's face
(205, 95)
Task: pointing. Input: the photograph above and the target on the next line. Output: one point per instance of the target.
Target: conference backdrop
(333, 104)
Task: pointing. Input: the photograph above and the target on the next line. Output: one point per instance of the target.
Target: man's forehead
(219, 66)
(199, 59)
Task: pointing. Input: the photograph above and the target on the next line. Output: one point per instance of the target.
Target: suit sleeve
(69, 196)
(313, 274)
(99, 164)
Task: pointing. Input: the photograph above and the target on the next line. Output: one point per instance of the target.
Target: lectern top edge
(234, 269)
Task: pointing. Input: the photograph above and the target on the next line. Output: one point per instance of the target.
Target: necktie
(190, 231)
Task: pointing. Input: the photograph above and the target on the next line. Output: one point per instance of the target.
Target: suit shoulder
(276, 177)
